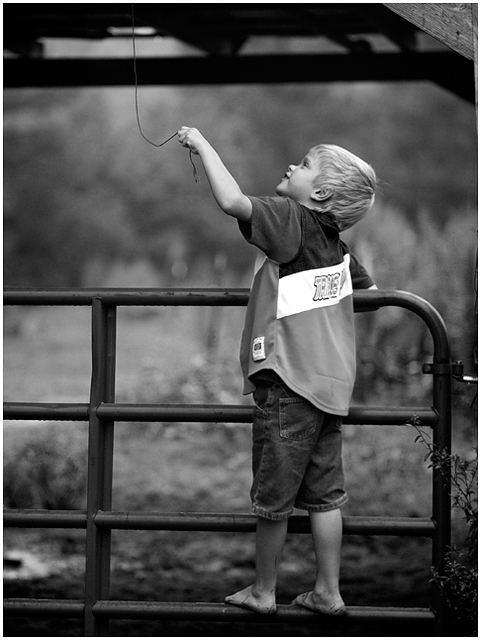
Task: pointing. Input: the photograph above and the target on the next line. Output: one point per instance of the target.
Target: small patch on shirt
(258, 351)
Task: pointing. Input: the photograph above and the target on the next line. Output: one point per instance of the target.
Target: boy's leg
(325, 598)
(261, 596)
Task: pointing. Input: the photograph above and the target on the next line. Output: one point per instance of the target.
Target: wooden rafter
(203, 39)
(450, 23)
(448, 69)
(393, 27)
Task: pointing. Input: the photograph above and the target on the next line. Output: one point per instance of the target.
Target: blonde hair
(352, 181)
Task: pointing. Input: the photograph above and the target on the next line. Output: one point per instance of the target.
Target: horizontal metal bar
(43, 607)
(47, 518)
(365, 300)
(388, 526)
(182, 521)
(224, 413)
(193, 521)
(206, 611)
(244, 413)
(207, 296)
(45, 411)
(125, 412)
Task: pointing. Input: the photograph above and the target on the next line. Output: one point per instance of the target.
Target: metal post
(441, 486)
(100, 464)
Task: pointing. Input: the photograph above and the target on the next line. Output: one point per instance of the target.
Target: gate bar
(44, 607)
(100, 464)
(77, 412)
(241, 413)
(192, 521)
(45, 518)
(208, 611)
(205, 296)
(244, 413)
(234, 522)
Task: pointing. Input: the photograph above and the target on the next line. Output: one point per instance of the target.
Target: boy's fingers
(186, 136)
(183, 134)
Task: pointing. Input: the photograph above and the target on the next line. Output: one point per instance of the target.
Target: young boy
(298, 353)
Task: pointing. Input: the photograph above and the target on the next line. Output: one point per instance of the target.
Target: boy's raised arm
(225, 189)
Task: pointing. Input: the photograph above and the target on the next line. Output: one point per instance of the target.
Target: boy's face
(298, 182)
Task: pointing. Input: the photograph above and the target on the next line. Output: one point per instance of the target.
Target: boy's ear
(324, 193)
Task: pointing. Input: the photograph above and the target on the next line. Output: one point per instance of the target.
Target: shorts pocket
(261, 396)
(297, 418)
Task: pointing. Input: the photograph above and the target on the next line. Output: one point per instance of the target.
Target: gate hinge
(455, 369)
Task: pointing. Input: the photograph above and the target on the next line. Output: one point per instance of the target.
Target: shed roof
(373, 42)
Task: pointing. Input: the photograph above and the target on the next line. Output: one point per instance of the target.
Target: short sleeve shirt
(299, 320)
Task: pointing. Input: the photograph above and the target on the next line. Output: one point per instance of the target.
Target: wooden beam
(394, 27)
(174, 25)
(446, 68)
(310, 21)
(450, 23)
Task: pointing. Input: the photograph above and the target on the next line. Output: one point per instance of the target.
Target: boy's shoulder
(275, 227)
(283, 203)
(276, 202)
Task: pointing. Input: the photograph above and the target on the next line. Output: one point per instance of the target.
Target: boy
(298, 353)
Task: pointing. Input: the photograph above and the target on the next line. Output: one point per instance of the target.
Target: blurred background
(88, 203)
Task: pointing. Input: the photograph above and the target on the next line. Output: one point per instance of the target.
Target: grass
(162, 357)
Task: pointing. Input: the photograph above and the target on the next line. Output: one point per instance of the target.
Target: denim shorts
(296, 454)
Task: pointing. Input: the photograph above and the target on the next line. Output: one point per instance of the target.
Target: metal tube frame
(100, 464)
(102, 411)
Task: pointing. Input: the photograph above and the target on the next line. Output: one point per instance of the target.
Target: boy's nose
(291, 167)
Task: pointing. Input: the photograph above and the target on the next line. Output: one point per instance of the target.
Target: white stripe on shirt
(314, 288)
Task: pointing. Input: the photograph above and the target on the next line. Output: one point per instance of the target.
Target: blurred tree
(59, 209)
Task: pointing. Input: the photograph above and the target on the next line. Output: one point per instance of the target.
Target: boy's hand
(191, 139)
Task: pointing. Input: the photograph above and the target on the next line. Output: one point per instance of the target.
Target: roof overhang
(374, 43)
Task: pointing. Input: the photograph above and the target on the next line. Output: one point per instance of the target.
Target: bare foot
(321, 604)
(251, 599)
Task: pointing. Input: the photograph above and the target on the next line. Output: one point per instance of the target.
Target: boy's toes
(235, 599)
(309, 601)
(247, 599)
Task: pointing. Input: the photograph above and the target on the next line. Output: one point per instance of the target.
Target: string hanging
(137, 113)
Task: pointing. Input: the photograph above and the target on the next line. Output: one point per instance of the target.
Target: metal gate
(102, 411)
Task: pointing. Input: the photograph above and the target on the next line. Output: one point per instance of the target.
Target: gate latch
(455, 369)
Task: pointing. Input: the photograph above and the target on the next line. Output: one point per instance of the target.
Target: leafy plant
(48, 471)
(458, 581)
